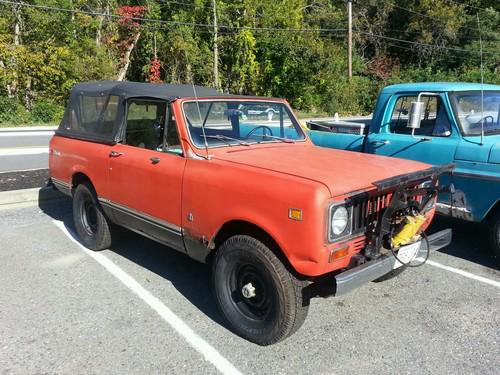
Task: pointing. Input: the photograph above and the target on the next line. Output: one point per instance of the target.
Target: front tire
(258, 296)
(91, 224)
(494, 234)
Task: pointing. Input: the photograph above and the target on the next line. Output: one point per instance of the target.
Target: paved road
(24, 150)
(64, 310)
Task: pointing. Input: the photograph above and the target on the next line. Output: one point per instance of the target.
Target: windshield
(231, 122)
(467, 107)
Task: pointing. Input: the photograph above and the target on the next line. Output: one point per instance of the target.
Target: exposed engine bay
(403, 220)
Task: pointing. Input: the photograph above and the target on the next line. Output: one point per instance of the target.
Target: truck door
(145, 173)
(434, 143)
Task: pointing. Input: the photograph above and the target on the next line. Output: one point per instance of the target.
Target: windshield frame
(453, 101)
(285, 105)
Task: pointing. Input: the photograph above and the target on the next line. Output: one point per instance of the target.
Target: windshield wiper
(226, 139)
(286, 140)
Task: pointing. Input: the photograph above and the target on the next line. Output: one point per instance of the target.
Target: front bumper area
(355, 277)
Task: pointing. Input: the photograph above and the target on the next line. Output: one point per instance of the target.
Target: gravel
(23, 179)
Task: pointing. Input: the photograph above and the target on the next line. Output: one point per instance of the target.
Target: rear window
(91, 116)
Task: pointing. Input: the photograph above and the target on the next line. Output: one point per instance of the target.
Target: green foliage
(12, 112)
(54, 50)
(47, 112)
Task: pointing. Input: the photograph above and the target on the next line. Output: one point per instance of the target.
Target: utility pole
(216, 49)
(349, 38)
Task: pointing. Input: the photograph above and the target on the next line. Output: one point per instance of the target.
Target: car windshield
(236, 122)
(470, 112)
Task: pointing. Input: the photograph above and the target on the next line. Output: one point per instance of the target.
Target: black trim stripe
(62, 186)
(172, 228)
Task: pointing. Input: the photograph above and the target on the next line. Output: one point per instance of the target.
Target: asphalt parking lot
(140, 308)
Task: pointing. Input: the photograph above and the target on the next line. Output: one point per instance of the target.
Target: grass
(8, 125)
(311, 114)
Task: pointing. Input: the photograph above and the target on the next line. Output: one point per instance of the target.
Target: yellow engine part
(409, 231)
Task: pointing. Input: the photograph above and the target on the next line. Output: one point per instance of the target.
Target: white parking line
(200, 345)
(464, 273)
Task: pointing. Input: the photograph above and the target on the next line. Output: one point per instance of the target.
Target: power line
(152, 20)
(453, 57)
(467, 5)
(436, 20)
(421, 44)
(225, 27)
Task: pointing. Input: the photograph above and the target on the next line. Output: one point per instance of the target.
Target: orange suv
(215, 177)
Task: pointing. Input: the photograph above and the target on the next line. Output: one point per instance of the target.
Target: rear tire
(494, 234)
(91, 224)
(261, 300)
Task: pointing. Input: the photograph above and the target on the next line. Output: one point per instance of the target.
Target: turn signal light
(339, 253)
(295, 214)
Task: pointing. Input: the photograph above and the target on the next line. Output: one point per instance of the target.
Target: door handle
(380, 142)
(155, 160)
(115, 154)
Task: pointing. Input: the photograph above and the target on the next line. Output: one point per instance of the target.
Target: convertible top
(127, 89)
(96, 110)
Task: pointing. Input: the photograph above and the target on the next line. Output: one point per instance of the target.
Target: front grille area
(358, 244)
(367, 210)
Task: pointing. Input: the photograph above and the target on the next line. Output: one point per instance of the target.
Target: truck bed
(340, 134)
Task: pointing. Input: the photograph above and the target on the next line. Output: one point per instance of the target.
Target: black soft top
(127, 89)
(96, 110)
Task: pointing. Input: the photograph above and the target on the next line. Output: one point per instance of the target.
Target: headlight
(340, 222)
(340, 219)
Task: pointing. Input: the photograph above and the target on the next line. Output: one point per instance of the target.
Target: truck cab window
(434, 122)
(145, 124)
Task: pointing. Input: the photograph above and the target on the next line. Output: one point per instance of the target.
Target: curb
(28, 197)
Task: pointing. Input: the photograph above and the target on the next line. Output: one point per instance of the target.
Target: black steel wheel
(261, 300)
(91, 224)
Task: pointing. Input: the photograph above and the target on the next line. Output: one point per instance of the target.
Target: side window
(434, 121)
(145, 123)
(172, 141)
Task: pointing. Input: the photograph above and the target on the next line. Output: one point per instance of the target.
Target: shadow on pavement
(190, 278)
(469, 242)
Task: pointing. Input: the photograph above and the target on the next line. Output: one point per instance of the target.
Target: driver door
(145, 174)
(435, 142)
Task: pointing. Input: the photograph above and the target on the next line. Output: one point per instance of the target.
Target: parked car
(279, 219)
(459, 123)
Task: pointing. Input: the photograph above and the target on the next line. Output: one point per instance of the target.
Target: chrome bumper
(355, 277)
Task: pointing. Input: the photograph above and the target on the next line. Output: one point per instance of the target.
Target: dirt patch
(23, 179)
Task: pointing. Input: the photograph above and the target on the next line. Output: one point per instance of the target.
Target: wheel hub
(248, 290)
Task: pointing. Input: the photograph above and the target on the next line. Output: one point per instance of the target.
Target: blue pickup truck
(436, 123)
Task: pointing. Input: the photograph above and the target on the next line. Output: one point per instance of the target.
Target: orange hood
(342, 172)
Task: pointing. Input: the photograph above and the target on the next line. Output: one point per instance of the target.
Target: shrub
(12, 112)
(8, 109)
(44, 112)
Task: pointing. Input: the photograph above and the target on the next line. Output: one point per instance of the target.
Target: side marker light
(295, 214)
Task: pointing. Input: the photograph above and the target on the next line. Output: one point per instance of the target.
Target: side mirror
(415, 115)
